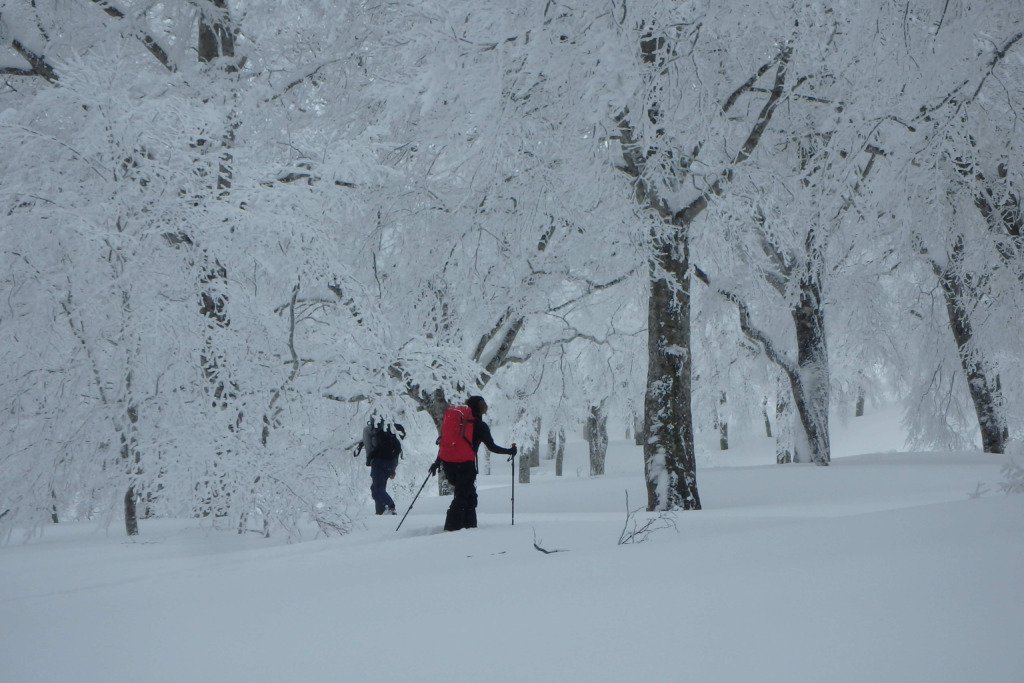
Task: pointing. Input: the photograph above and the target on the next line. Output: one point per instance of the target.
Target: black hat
(477, 404)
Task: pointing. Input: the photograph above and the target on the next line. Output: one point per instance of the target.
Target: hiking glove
(434, 466)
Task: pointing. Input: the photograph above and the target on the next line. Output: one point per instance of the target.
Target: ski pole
(413, 501)
(512, 459)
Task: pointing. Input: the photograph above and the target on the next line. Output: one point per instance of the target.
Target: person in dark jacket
(462, 475)
(383, 449)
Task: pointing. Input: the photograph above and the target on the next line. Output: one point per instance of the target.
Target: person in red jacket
(462, 475)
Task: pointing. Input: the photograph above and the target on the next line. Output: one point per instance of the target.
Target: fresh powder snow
(885, 566)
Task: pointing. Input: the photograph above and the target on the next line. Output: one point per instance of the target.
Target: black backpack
(380, 442)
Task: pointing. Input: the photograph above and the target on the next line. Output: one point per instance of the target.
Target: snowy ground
(882, 567)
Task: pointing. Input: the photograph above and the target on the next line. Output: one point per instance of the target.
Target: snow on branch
(302, 79)
(753, 333)
(952, 96)
(688, 214)
(635, 161)
(146, 39)
(500, 354)
(40, 67)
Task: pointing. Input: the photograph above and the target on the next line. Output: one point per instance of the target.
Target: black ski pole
(429, 474)
(512, 459)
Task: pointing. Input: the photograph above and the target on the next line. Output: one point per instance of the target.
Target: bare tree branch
(146, 39)
(689, 213)
(39, 65)
(951, 97)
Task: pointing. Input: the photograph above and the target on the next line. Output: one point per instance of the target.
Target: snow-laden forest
(232, 232)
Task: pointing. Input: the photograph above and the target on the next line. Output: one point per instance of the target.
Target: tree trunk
(811, 403)
(131, 518)
(215, 36)
(524, 469)
(783, 424)
(985, 390)
(529, 453)
(723, 424)
(529, 456)
(597, 438)
(535, 449)
(560, 453)
(131, 457)
(811, 381)
(639, 436)
(670, 463)
(859, 411)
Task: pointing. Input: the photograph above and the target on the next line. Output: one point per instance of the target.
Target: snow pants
(381, 470)
(462, 511)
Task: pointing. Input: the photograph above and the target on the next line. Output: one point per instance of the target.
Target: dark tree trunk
(783, 424)
(560, 453)
(131, 457)
(1000, 206)
(723, 425)
(767, 421)
(215, 36)
(670, 463)
(811, 381)
(984, 388)
(535, 448)
(1004, 219)
(131, 518)
(597, 438)
(859, 411)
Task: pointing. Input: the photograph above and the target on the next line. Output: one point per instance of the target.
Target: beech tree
(984, 177)
(661, 158)
(956, 169)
